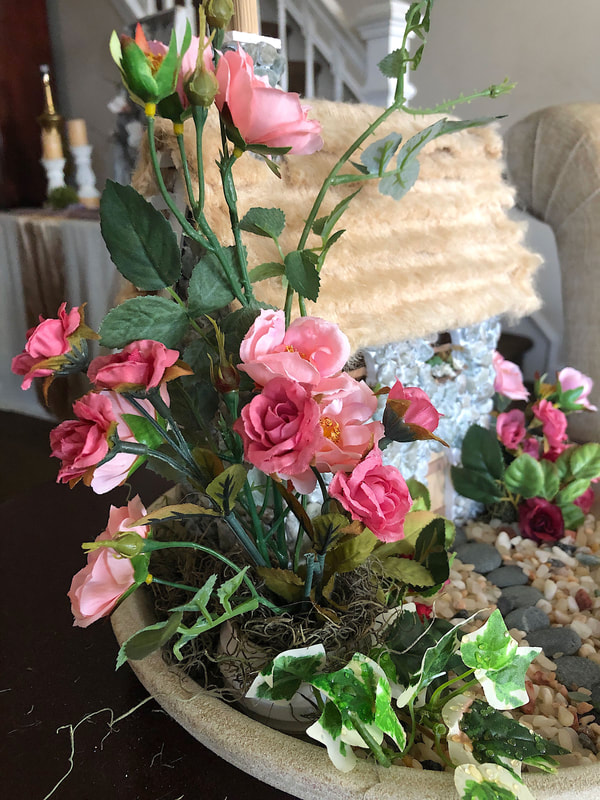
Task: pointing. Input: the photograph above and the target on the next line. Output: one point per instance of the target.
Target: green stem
(310, 568)
(230, 195)
(279, 525)
(186, 173)
(191, 320)
(246, 541)
(134, 448)
(434, 697)
(460, 690)
(256, 522)
(375, 748)
(174, 585)
(413, 728)
(300, 537)
(199, 115)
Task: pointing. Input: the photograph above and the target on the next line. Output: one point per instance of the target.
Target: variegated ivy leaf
(281, 679)
(488, 782)
(499, 663)
(328, 731)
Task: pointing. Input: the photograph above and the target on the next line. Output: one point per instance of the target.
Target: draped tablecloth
(47, 257)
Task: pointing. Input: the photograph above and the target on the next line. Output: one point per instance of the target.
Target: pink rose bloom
(554, 422)
(141, 365)
(541, 520)
(47, 340)
(262, 114)
(531, 446)
(552, 453)
(188, 65)
(510, 427)
(346, 407)
(585, 501)
(421, 410)
(309, 350)
(280, 429)
(509, 380)
(96, 589)
(570, 378)
(375, 494)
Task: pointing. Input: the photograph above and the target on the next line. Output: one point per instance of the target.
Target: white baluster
(309, 58)
(55, 173)
(282, 33)
(84, 175)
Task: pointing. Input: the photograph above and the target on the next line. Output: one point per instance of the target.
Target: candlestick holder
(84, 175)
(55, 173)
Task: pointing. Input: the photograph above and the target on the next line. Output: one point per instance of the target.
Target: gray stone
(460, 538)
(577, 672)
(518, 597)
(565, 641)
(527, 620)
(588, 559)
(483, 556)
(510, 575)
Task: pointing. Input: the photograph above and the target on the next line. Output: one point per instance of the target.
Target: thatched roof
(444, 256)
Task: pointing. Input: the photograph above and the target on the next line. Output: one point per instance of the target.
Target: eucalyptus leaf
(144, 318)
(139, 239)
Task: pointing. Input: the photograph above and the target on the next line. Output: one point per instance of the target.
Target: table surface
(54, 675)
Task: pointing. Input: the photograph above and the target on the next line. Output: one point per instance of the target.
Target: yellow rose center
(331, 429)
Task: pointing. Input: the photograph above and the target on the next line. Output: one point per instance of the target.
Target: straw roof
(445, 256)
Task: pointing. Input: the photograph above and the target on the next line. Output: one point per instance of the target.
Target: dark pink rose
(424, 611)
(552, 453)
(96, 589)
(48, 340)
(585, 501)
(376, 495)
(262, 114)
(421, 410)
(346, 407)
(509, 380)
(280, 429)
(531, 446)
(570, 378)
(541, 520)
(554, 422)
(308, 351)
(141, 365)
(510, 427)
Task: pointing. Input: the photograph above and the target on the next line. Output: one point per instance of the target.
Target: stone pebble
(509, 575)
(518, 597)
(553, 641)
(528, 620)
(576, 672)
(483, 556)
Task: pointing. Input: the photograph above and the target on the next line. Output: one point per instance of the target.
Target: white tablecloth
(45, 259)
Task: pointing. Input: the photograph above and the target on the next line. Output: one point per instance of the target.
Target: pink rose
(346, 407)
(554, 422)
(552, 453)
(421, 411)
(375, 494)
(96, 589)
(510, 428)
(585, 501)
(280, 429)
(570, 378)
(188, 66)
(531, 446)
(262, 114)
(310, 349)
(540, 520)
(49, 339)
(141, 365)
(509, 380)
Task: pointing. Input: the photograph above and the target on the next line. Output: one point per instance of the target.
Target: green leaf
(525, 476)
(491, 647)
(139, 239)
(144, 318)
(407, 571)
(350, 553)
(573, 516)
(143, 430)
(327, 528)
(325, 225)
(481, 452)
(209, 288)
(378, 155)
(409, 638)
(284, 582)
(225, 488)
(584, 461)
(551, 480)
(200, 600)
(419, 490)
(268, 222)
(495, 737)
(475, 485)
(282, 678)
(572, 491)
(228, 588)
(505, 688)
(393, 64)
(301, 272)
(149, 639)
(271, 269)
(178, 511)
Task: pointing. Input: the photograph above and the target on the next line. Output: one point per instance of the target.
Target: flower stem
(186, 173)
(375, 748)
(199, 114)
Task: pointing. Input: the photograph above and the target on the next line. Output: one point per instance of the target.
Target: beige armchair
(553, 160)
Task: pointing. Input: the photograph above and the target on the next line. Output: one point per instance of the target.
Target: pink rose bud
(570, 378)
(510, 428)
(376, 495)
(140, 365)
(554, 423)
(509, 380)
(421, 410)
(262, 114)
(97, 588)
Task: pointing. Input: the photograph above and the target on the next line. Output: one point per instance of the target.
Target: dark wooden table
(53, 675)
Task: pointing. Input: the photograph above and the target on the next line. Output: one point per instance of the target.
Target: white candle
(51, 143)
(77, 132)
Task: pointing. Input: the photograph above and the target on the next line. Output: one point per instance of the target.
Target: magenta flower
(541, 520)
(510, 428)
(554, 423)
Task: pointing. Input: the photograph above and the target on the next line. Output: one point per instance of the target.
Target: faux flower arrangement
(527, 470)
(251, 411)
